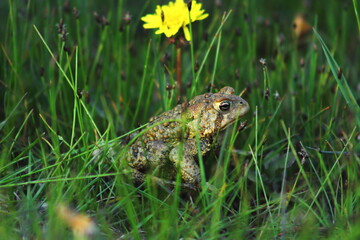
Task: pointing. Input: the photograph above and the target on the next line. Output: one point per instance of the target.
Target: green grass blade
(341, 80)
(195, 85)
(67, 79)
(2, 123)
(357, 15)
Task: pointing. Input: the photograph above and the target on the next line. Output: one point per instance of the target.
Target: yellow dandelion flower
(168, 19)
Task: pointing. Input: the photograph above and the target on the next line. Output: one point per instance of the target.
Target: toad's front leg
(184, 155)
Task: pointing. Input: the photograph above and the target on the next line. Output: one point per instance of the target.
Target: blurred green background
(293, 172)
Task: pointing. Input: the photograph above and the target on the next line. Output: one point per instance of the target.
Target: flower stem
(178, 69)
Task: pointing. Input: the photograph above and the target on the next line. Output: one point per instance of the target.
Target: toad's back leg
(142, 158)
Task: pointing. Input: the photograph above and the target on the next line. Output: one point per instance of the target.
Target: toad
(175, 138)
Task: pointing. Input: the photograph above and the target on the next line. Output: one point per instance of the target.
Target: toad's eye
(225, 106)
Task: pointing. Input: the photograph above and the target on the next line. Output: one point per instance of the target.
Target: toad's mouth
(229, 123)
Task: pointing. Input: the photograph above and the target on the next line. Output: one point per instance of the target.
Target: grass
(292, 173)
